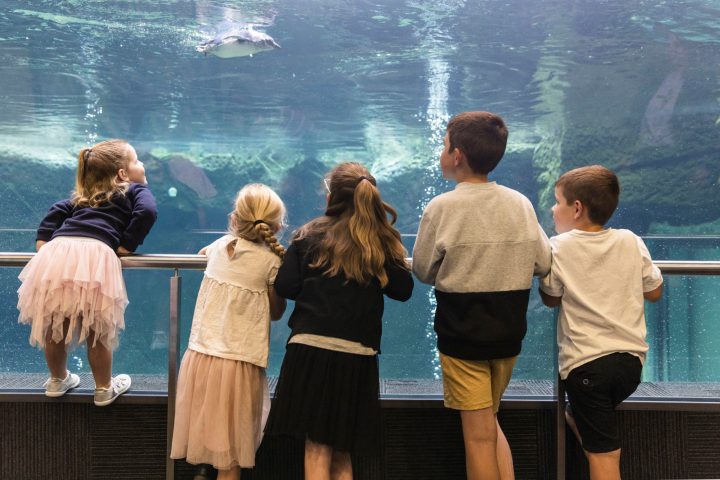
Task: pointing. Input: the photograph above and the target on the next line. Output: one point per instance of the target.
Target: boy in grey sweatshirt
(479, 245)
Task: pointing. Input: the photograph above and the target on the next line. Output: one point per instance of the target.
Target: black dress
(327, 396)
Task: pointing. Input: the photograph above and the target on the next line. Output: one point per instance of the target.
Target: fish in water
(656, 129)
(186, 172)
(240, 43)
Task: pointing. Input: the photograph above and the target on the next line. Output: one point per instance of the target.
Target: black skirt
(328, 397)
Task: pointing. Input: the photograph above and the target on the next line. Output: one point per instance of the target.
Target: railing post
(173, 360)
(559, 390)
(560, 427)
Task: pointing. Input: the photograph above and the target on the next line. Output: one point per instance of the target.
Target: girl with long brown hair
(337, 270)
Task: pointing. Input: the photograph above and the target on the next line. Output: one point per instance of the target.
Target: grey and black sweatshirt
(480, 246)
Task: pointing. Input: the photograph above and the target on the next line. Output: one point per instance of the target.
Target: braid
(264, 232)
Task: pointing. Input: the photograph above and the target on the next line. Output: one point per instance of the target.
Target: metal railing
(198, 262)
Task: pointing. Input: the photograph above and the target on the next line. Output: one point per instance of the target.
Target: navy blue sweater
(333, 306)
(125, 221)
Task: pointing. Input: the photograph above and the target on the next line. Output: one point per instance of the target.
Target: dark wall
(79, 441)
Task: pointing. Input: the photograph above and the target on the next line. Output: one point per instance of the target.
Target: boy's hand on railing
(123, 251)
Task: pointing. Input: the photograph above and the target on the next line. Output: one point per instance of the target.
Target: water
(632, 85)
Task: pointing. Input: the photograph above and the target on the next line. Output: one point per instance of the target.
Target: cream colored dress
(222, 399)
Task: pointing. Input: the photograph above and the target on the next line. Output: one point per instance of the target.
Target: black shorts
(594, 389)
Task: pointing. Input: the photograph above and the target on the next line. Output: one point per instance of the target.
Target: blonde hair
(258, 214)
(358, 239)
(97, 179)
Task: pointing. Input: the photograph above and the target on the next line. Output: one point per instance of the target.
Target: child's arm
(543, 255)
(653, 295)
(277, 304)
(144, 215)
(551, 289)
(549, 300)
(652, 277)
(288, 282)
(55, 217)
(400, 283)
(426, 258)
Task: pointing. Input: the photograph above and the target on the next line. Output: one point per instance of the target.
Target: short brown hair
(482, 137)
(596, 187)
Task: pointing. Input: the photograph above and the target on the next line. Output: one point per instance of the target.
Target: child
(480, 246)
(337, 270)
(222, 390)
(73, 290)
(598, 278)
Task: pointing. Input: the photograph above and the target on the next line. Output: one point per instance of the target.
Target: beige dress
(222, 398)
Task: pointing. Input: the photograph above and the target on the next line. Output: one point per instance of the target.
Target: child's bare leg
(570, 420)
(229, 474)
(55, 354)
(504, 455)
(100, 359)
(480, 434)
(318, 460)
(604, 466)
(341, 467)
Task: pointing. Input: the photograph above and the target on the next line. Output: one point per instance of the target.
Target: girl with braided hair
(222, 396)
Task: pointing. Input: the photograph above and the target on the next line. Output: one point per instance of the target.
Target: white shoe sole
(60, 394)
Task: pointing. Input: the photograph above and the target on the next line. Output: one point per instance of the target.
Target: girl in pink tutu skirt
(222, 396)
(73, 291)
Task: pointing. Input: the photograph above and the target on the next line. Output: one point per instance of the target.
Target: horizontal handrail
(147, 260)
(198, 262)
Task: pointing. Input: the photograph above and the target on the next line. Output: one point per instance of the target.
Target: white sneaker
(57, 387)
(118, 386)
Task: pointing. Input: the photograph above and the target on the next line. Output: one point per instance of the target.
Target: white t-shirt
(232, 312)
(601, 277)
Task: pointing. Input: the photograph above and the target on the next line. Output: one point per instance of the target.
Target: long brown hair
(258, 214)
(97, 178)
(357, 237)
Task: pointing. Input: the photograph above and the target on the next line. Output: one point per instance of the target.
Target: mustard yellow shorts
(475, 384)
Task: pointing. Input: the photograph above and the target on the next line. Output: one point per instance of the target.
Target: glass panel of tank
(305, 84)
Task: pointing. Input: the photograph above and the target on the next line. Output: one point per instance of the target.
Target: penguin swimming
(239, 43)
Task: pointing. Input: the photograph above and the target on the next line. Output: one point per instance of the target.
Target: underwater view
(217, 94)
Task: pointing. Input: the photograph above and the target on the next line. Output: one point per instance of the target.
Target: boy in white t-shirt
(599, 278)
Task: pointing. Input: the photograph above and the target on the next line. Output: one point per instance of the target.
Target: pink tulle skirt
(78, 280)
(220, 411)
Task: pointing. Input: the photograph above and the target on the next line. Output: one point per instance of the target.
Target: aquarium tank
(215, 94)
